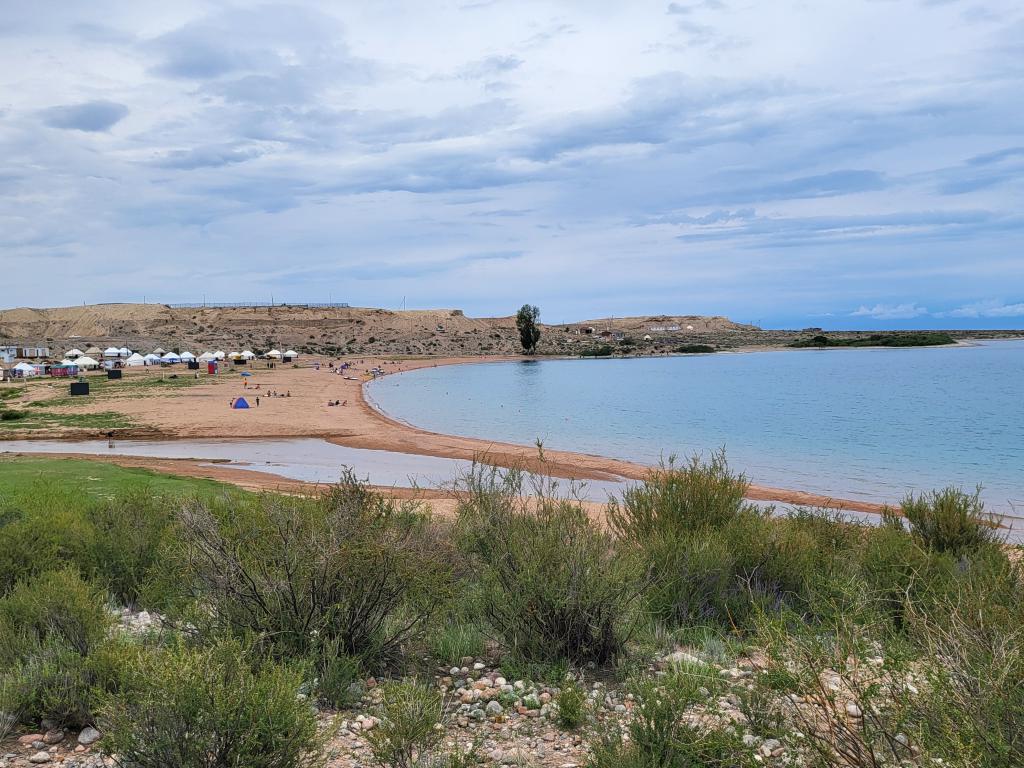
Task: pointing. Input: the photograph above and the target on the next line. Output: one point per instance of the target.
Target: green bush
(130, 530)
(407, 732)
(553, 585)
(572, 704)
(950, 520)
(674, 500)
(54, 604)
(339, 678)
(660, 736)
(46, 536)
(193, 707)
(352, 572)
(49, 627)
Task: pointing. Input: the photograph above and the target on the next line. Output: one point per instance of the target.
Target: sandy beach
(295, 402)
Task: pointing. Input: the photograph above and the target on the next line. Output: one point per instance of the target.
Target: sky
(833, 163)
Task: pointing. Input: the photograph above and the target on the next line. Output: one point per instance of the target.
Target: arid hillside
(337, 330)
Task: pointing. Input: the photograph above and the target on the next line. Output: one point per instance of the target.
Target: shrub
(571, 704)
(57, 604)
(48, 629)
(661, 737)
(553, 585)
(129, 532)
(190, 708)
(972, 707)
(949, 520)
(674, 500)
(409, 714)
(47, 536)
(7, 415)
(351, 572)
(339, 679)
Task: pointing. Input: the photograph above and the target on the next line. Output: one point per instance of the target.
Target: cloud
(91, 116)
(489, 66)
(890, 311)
(989, 308)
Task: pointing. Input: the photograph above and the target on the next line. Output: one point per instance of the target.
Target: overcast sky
(842, 163)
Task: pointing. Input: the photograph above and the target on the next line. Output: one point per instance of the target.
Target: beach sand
(203, 411)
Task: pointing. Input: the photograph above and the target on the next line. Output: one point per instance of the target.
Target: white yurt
(71, 354)
(25, 370)
(273, 354)
(247, 354)
(171, 357)
(123, 352)
(234, 356)
(290, 354)
(111, 352)
(207, 357)
(67, 361)
(86, 363)
(187, 356)
(134, 360)
(219, 355)
(152, 358)
(159, 352)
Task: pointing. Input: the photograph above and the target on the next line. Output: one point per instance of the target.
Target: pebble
(40, 757)
(853, 710)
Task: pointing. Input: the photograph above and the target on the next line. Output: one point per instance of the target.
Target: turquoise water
(870, 424)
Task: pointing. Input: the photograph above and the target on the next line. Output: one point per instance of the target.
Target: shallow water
(869, 424)
(307, 459)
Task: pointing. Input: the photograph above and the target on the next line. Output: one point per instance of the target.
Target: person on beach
(257, 401)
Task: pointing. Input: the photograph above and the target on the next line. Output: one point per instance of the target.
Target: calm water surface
(861, 423)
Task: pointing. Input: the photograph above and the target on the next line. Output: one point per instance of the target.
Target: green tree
(529, 332)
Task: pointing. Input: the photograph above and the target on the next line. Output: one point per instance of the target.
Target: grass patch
(41, 419)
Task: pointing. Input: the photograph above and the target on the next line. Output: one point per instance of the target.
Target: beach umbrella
(246, 373)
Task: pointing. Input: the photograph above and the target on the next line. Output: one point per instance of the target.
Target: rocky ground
(499, 721)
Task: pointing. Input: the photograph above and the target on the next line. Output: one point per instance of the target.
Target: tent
(273, 353)
(135, 360)
(247, 355)
(123, 352)
(170, 357)
(25, 370)
(218, 355)
(85, 363)
(234, 356)
(291, 354)
(65, 370)
(111, 352)
(159, 351)
(240, 403)
(94, 351)
(71, 354)
(186, 356)
(152, 358)
(207, 357)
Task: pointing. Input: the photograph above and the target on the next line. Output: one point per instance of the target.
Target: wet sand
(202, 411)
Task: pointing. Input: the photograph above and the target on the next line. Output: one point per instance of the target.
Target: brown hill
(333, 330)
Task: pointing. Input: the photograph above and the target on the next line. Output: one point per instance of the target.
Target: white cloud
(990, 308)
(787, 175)
(890, 311)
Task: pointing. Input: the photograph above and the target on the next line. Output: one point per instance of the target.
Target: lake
(867, 424)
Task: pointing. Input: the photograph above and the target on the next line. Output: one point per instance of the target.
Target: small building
(35, 353)
(7, 354)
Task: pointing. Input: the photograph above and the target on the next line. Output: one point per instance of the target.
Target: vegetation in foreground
(695, 629)
(893, 339)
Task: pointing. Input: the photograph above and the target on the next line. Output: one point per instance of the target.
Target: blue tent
(241, 403)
